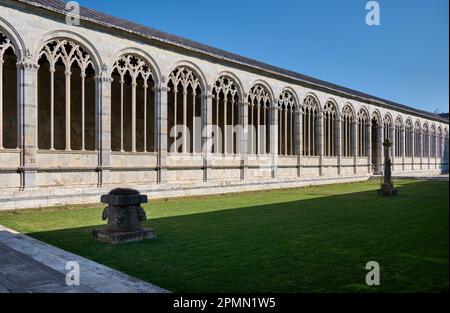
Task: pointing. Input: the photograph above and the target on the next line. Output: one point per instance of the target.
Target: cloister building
(104, 103)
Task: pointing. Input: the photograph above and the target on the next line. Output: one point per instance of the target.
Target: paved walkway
(20, 273)
(28, 265)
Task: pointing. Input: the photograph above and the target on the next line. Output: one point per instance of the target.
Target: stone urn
(124, 215)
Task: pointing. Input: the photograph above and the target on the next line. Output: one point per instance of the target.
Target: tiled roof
(153, 34)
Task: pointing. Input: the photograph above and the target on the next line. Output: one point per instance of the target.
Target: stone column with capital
(413, 148)
(380, 149)
(319, 143)
(104, 81)
(355, 145)
(402, 145)
(368, 141)
(207, 134)
(27, 70)
(161, 134)
(338, 140)
(392, 138)
(429, 151)
(243, 138)
(273, 143)
(298, 138)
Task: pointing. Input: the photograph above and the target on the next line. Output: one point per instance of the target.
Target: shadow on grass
(313, 245)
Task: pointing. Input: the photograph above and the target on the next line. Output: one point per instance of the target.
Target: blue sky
(405, 59)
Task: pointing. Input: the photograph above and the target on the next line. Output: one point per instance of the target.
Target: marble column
(319, 144)
(338, 138)
(243, 141)
(392, 137)
(402, 146)
(413, 148)
(369, 147)
(380, 149)
(28, 121)
(161, 109)
(207, 135)
(298, 138)
(273, 143)
(103, 87)
(354, 144)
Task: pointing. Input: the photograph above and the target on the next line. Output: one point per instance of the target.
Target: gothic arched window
(258, 120)
(433, 141)
(132, 105)
(417, 140)
(66, 97)
(310, 124)
(363, 133)
(387, 127)
(184, 111)
(347, 134)
(8, 94)
(286, 124)
(225, 115)
(426, 141)
(409, 138)
(398, 137)
(439, 143)
(329, 129)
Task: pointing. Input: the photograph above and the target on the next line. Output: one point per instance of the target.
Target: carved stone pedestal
(124, 214)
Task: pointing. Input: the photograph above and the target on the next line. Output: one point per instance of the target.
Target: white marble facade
(86, 108)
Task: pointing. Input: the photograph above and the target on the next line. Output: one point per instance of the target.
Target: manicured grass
(315, 239)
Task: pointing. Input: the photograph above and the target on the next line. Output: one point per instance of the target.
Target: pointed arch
(197, 72)
(226, 108)
(347, 133)
(364, 124)
(417, 139)
(310, 120)
(133, 104)
(75, 38)
(388, 125)
(433, 141)
(142, 55)
(67, 93)
(185, 89)
(236, 81)
(426, 139)
(9, 90)
(330, 123)
(16, 40)
(409, 137)
(398, 133)
(260, 99)
(439, 142)
(287, 106)
(376, 115)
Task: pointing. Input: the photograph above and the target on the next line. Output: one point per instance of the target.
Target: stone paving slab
(20, 273)
(29, 265)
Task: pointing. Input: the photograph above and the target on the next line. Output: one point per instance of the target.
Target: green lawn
(315, 239)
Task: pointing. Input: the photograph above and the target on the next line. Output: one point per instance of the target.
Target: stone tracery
(286, 123)
(258, 120)
(66, 94)
(226, 115)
